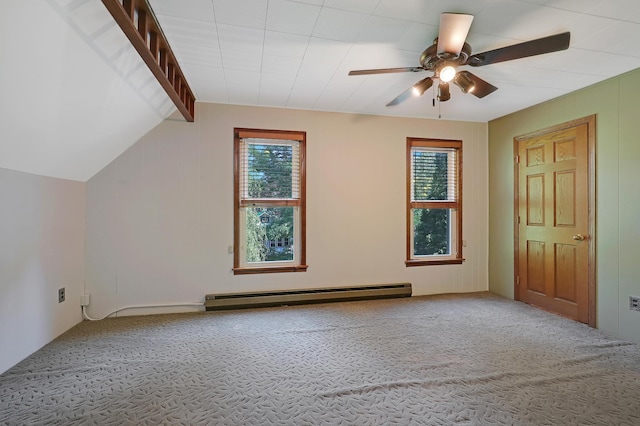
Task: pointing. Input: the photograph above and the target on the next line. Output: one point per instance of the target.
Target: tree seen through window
(431, 226)
(269, 177)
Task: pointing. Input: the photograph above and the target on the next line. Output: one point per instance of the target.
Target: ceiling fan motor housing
(431, 61)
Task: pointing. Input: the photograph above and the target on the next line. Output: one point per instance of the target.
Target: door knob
(579, 237)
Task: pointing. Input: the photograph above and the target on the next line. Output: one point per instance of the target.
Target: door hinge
(518, 280)
(517, 159)
(518, 220)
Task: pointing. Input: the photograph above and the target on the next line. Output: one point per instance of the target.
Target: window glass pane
(431, 232)
(265, 230)
(269, 171)
(432, 175)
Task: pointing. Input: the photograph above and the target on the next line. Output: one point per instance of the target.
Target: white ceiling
(297, 54)
(75, 94)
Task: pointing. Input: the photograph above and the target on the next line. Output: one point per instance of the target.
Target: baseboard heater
(214, 302)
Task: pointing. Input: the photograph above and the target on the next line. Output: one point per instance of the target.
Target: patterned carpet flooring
(473, 359)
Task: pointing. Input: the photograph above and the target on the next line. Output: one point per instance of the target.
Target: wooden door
(554, 238)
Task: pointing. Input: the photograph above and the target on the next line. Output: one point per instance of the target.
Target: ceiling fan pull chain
(433, 92)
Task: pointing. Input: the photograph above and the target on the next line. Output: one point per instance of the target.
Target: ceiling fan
(450, 51)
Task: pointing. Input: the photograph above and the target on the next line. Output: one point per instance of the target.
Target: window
(434, 202)
(269, 199)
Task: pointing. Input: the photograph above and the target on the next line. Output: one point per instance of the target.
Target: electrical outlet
(61, 295)
(634, 303)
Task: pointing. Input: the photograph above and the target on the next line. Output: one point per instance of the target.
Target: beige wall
(616, 103)
(160, 217)
(41, 249)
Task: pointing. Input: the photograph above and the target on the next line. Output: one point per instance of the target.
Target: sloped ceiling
(74, 93)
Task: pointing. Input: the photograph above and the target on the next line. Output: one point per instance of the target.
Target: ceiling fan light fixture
(447, 73)
(463, 81)
(444, 94)
(420, 87)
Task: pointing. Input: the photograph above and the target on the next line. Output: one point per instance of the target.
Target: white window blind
(434, 174)
(269, 170)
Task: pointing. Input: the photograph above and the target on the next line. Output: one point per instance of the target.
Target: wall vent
(215, 302)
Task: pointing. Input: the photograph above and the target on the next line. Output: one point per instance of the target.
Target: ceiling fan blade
(454, 28)
(386, 70)
(480, 87)
(417, 89)
(401, 97)
(539, 46)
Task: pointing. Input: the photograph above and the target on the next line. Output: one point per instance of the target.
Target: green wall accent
(616, 103)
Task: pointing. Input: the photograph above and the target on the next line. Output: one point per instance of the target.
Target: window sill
(270, 270)
(424, 262)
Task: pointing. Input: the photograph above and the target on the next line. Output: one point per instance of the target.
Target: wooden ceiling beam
(139, 24)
